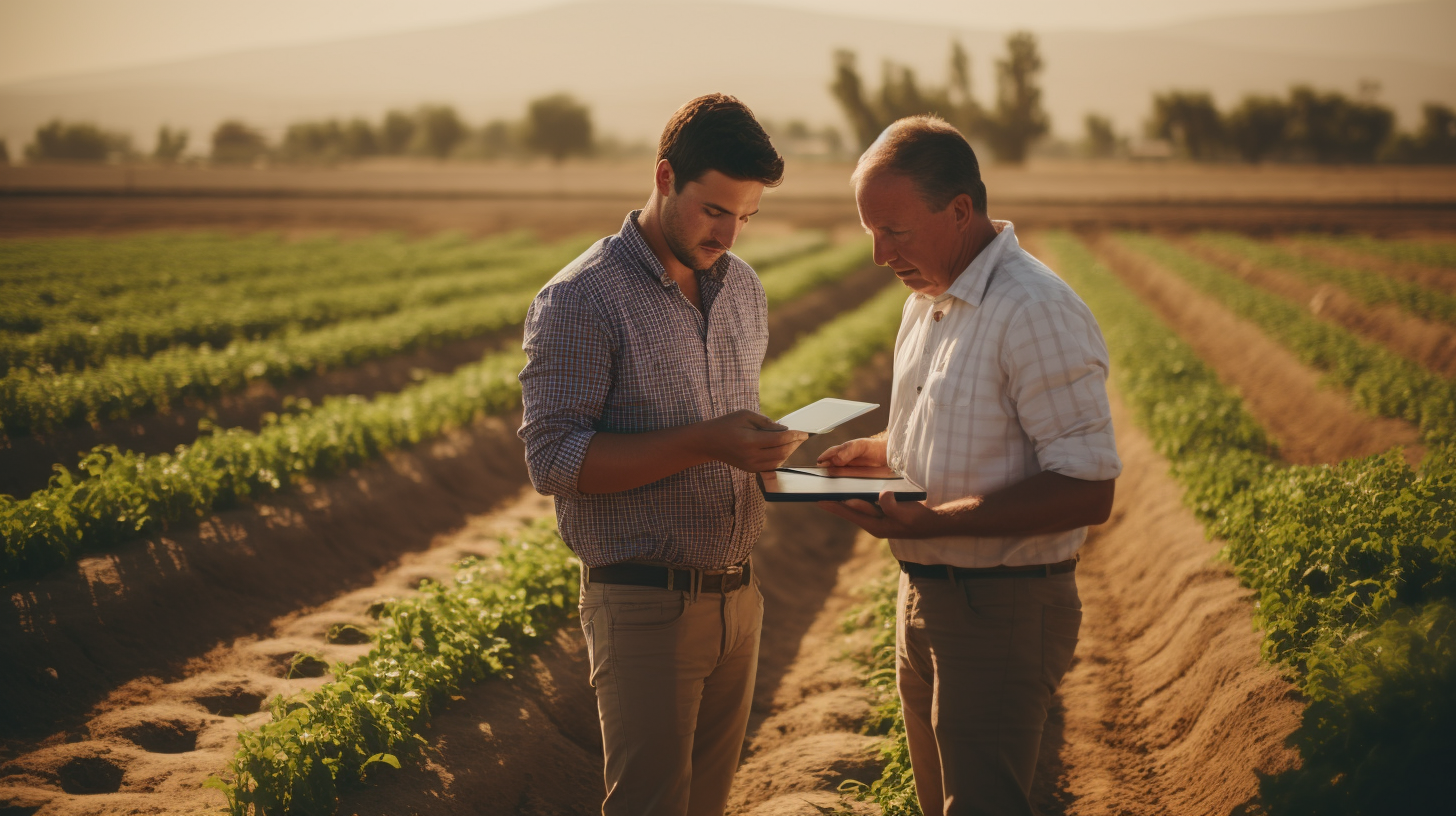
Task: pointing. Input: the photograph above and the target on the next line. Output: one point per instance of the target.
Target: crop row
(321, 741)
(1353, 565)
(126, 386)
(119, 495)
(47, 291)
(123, 494)
(217, 321)
(1369, 287)
(1438, 253)
(1380, 381)
(426, 648)
(762, 253)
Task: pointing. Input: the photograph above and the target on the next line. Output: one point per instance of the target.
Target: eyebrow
(723, 209)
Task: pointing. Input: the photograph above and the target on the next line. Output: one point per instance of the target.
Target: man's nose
(727, 234)
(882, 253)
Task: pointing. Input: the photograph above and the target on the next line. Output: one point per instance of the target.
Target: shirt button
(917, 388)
(938, 316)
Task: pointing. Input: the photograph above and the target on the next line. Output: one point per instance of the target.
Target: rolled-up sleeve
(563, 386)
(1056, 365)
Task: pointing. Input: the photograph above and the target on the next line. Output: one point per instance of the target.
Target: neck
(978, 237)
(650, 222)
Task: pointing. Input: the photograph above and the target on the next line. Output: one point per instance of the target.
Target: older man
(1000, 412)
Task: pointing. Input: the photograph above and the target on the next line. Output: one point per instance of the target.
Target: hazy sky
(40, 38)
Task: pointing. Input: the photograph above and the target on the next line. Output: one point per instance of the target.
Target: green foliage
(1190, 120)
(1369, 287)
(1353, 565)
(1100, 141)
(125, 387)
(75, 141)
(894, 791)
(824, 363)
(1019, 119)
(789, 279)
(558, 126)
(1257, 126)
(428, 647)
(1434, 143)
(1440, 253)
(72, 303)
(1381, 382)
(121, 495)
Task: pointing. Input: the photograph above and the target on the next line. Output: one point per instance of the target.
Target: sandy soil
(1431, 277)
(1433, 345)
(1311, 424)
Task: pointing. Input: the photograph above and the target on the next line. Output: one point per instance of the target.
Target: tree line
(556, 126)
(1310, 126)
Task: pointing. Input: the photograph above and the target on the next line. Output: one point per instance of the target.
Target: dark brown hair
(931, 153)
(717, 132)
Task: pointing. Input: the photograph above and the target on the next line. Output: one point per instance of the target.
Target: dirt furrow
(1311, 424)
(1432, 345)
(1168, 708)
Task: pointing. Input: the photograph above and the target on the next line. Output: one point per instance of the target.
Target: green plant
(428, 646)
(791, 278)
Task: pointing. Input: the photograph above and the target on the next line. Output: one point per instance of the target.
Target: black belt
(915, 570)
(649, 575)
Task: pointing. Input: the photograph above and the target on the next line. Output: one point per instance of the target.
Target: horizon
(42, 39)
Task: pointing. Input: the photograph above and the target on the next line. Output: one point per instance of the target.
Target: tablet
(807, 484)
(826, 415)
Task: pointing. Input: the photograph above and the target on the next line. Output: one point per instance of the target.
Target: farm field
(300, 556)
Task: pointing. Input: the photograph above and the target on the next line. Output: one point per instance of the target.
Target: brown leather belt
(915, 570)
(649, 575)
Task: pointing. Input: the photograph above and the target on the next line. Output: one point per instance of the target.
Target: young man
(999, 410)
(641, 418)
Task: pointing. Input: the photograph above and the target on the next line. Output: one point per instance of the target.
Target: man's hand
(889, 518)
(748, 441)
(869, 452)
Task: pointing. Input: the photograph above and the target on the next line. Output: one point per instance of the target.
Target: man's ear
(663, 178)
(964, 211)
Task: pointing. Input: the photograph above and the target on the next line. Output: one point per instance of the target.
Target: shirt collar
(971, 284)
(638, 248)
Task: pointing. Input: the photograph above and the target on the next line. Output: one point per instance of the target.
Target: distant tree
(358, 139)
(902, 95)
(1258, 127)
(171, 144)
(233, 142)
(1190, 121)
(558, 126)
(1018, 120)
(438, 130)
(498, 138)
(1100, 140)
(849, 91)
(1433, 143)
(1331, 128)
(75, 141)
(396, 133)
(4, 154)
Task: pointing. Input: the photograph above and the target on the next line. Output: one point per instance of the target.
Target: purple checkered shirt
(613, 345)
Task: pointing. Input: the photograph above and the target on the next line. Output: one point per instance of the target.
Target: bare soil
(1310, 423)
(1430, 344)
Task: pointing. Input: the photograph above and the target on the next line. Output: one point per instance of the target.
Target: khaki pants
(977, 663)
(674, 677)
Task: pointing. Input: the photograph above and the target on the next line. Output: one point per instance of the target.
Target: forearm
(1046, 503)
(616, 462)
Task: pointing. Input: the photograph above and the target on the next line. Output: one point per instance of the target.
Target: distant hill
(634, 61)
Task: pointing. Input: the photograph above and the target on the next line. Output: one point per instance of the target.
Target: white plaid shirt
(1001, 377)
(613, 345)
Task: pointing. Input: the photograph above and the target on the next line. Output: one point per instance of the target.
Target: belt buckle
(732, 578)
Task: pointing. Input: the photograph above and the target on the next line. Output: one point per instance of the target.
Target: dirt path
(1432, 345)
(1311, 424)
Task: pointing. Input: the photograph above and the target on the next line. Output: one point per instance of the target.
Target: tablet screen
(826, 415)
